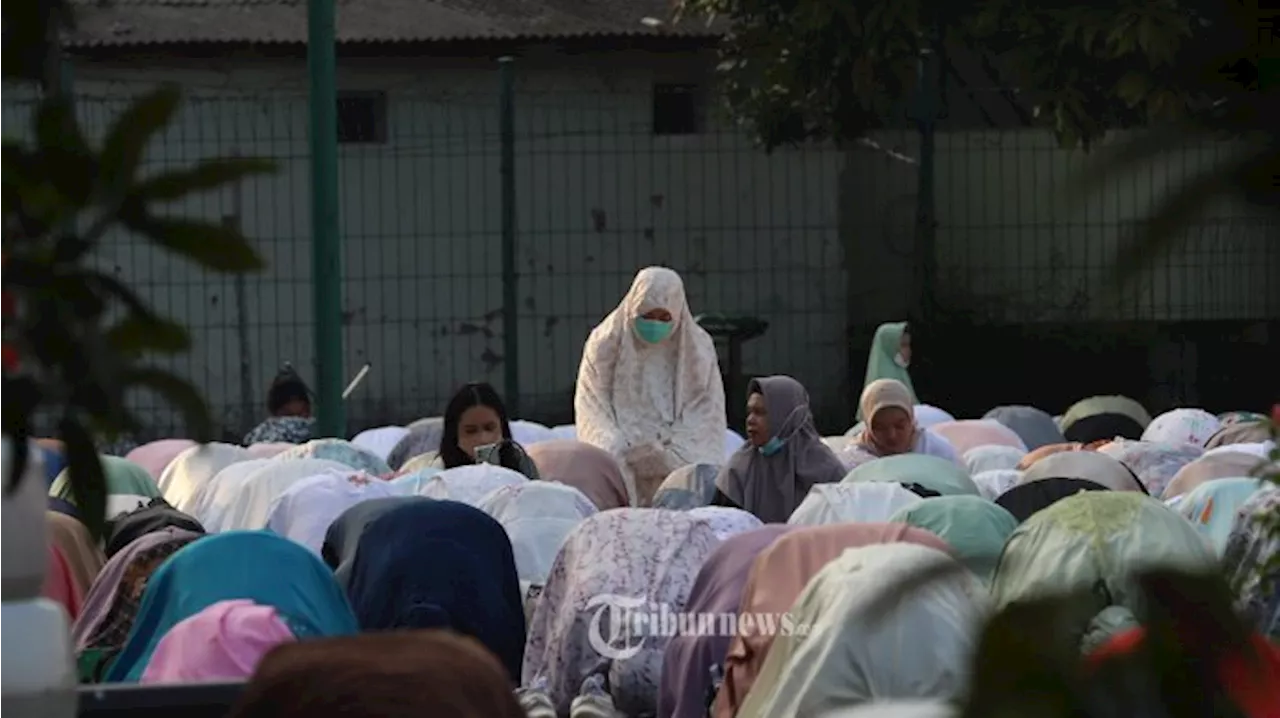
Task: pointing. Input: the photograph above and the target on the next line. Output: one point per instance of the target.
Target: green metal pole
(927, 110)
(510, 300)
(326, 247)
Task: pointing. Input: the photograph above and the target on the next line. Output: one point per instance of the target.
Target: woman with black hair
(289, 404)
(475, 417)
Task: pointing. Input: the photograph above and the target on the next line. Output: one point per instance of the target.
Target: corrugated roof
(101, 23)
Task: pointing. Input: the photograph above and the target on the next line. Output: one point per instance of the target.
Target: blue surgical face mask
(772, 446)
(652, 330)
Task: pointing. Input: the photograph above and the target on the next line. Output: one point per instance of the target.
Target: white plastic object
(38, 669)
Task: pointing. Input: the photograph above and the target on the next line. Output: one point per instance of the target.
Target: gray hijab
(1035, 427)
(771, 487)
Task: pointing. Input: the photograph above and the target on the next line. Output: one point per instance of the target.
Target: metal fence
(819, 242)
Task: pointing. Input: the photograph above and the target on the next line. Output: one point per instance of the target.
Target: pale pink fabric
(156, 456)
(269, 449)
(59, 586)
(972, 433)
(778, 576)
(223, 642)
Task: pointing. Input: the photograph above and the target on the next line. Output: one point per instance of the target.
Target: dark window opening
(362, 118)
(676, 109)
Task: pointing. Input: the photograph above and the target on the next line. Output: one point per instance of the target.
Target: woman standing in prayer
(649, 390)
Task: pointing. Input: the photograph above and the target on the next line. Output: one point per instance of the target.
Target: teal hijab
(1212, 506)
(269, 569)
(973, 527)
(930, 472)
(880, 363)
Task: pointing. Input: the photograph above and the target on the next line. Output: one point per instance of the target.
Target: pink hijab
(156, 456)
(223, 642)
(587, 468)
(778, 576)
(59, 586)
(971, 433)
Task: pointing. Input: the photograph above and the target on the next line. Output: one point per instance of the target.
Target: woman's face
(757, 420)
(296, 407)
(658, 315)
(894, 430)
(904, 346)
(478, 426)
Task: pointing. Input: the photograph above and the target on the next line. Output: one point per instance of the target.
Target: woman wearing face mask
(889, 358)
(891, 427)
(474, 418)
(649, 390)
(784, 456)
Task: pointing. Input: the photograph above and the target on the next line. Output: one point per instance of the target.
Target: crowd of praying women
(454, 566)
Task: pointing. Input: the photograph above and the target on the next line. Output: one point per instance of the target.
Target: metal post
(928, 108)
(510, 300)
(326, 247)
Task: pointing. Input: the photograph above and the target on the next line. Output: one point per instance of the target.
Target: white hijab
(538, 517)
(242, 500)
(380, 441)
(631, 393)
(467, 484)
(528, 433)
(866, 502)
(844, 655)
(195, 467)
(304, 510)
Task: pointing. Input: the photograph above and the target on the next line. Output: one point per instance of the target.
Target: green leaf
(127, 139)
(1127, 156)
(205, 176)
(212, 246)
(176, 391)
(18, 431)
(135, 336)
(56, 128)
(1176, 210)
(88, 482)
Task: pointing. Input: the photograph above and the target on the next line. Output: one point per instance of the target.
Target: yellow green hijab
(880, 360)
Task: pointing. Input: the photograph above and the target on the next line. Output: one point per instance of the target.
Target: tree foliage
(77, 339)
(804, 70)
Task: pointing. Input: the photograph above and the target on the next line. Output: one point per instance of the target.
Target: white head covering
(726, 521)
(836, 443)
(195, 467)
(565, 431)
(380, 441)
(528, 433)
(538, 517)
(467, 484)
(990, 457)
(305, 509)
(894, 709)
(412, 483)
(1261, 449)
(210, 501)
(991, 484)
(246, 504)
(1182, 426)
(866, 502)
(732, 442)
(927, 416)
(631, 393)
(845, 655)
